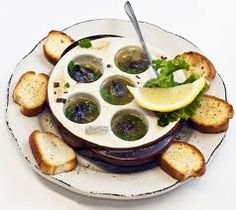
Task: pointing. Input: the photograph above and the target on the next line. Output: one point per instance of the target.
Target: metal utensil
(130, 12)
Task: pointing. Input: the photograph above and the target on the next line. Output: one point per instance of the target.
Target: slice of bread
(31, 93)
(55, 44)
(213, 116)
(199, 64)
(52, 154)
(182, 160)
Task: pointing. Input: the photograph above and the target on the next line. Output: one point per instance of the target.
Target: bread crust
(211, 73)
(32, 112)
(24, 110)
(177, 174)
(44, 166)
(209, 129)
(223, 126)
(52, 58)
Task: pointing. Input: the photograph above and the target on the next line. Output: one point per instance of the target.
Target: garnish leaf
(166, 76)
(166, 69)
(67, 85)
(191, 78)
(183, 113)
(69, 112)
(71, 68)
(85, 43)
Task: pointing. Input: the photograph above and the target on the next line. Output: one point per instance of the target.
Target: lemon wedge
(167, 99)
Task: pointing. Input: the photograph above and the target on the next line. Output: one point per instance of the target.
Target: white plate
(88, 178)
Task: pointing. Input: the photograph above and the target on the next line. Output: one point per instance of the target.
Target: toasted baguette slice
(31, 93)
(52, 154)
(182, 160)
(56, 43)
(199, 64)
(213, 115)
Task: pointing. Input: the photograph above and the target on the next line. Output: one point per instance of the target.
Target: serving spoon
(130, 12)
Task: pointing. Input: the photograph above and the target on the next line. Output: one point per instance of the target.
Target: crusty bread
(199, 64)
(182, 160)
(55, 44)
(31, 93)
(52, 154)
(213, 115)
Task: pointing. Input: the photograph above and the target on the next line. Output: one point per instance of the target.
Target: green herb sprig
(67, 85)
(71, 68)
(183, 113)
(166, 68)
(85, 43)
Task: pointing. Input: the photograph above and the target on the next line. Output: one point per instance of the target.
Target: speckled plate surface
(90, 178)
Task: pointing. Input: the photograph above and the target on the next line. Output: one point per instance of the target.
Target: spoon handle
(130, 12)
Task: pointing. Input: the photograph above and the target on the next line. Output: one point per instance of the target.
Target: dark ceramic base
(134, 157)
(90, 156)
(120, 157)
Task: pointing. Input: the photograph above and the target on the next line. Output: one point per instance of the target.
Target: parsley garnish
(67, 85)
(71, 68)
(85, 43)
(166, 69)
(183, 113)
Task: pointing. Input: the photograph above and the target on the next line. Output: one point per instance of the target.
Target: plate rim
(104, 195)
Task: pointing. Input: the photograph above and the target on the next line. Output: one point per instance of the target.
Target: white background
(211, 25)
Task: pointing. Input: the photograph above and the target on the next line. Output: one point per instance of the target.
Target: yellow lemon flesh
(167, 99)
